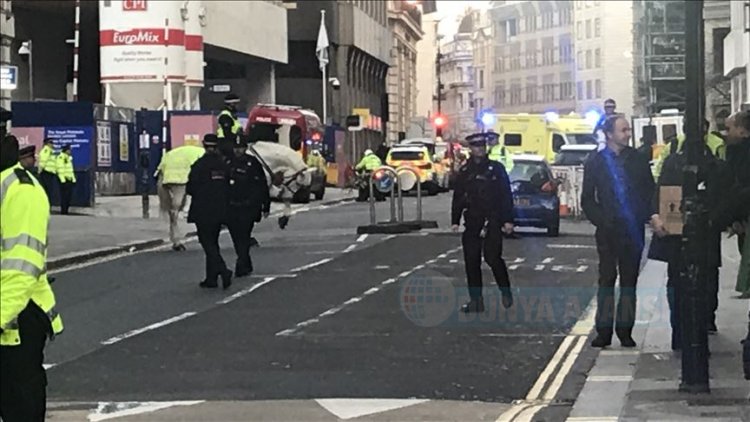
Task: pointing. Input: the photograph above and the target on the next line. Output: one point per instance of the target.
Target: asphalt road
(327, 315)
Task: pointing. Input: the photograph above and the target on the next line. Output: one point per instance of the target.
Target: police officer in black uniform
(208, 186)
(482, 195)
(249, 200)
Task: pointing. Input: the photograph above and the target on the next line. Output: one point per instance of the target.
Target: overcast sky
(451, 12)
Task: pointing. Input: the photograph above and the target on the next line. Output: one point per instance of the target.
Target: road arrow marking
(354, 408)
(111, 410)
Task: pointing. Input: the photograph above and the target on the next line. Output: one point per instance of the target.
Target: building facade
(659, 55)
(7, 33)
(737, 55)
(427, 51)
(457, 76)
(603, 54)
(482, 49)
(359, 57)
(717, 25)
(534, 68)
(405, 22)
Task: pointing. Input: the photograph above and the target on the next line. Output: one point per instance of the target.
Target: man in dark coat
(208, 186)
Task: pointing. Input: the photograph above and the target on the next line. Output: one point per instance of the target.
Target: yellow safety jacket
(47, 159)
(175, 164)
(236, 126)
(500, 154)
(317, 162)
(65, 170)
(714, 143)
(369, 162)
(24, 215)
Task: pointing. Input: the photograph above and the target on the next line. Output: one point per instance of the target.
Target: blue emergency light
(488, 119)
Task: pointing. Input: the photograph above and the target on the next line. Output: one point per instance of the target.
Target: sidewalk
(642, 384)
(116, 225)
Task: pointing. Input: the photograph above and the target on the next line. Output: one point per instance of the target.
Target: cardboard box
(670, 198)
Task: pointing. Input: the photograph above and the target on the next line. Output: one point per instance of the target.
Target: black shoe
(254, 242)
(627, 341)
(507, 298)
(601, 342)
(473, 306)
(226, 279)
(209, 284)
(712, 329)
(239, 273)
(179, 248)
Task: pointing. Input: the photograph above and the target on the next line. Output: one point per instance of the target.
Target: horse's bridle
(286, 182)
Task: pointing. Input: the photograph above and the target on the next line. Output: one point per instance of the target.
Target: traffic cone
(564, 208)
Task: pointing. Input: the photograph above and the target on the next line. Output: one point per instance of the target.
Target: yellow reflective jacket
(369, 162)
(317, 162)
(714, 143)
(24, 215)
(65, 170)
(500, 154)
(236, 126)
(47, 159)
(175, 164)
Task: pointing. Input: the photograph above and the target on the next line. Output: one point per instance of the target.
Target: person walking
(482, 196)
(616, 197)
(173, 172)
(27, 304)
(66, 174)
(46, 164)
(208, 188)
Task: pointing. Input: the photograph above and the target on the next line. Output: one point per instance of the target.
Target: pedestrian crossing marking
(512, 267)
(539, 268)
(547, 260)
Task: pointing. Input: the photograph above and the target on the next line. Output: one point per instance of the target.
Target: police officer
(26, 158)
(208, 186)
(66, 174)
(249, 200)
(47, 166)
(482, 195)
(498, 152)
(228, 122)
(27, 303)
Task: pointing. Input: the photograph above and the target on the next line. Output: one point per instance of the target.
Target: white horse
(286, 173)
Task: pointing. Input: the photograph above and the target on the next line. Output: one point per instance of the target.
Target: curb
(84, 256)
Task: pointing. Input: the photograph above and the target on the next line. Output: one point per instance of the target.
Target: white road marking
(519, 261)
(419, 267)
(582, 268)
(608, 352)
(154, 326)
(610, 378)
(536, 391)
(245, 291)
(389, 281)
(512, 267)
(405, 274)
(510, 414)
(133, 408)
(354, 300)
(565, 368)
(329, 312)
(49, 365)
(349, 248)
(453, 261)
(312, 265)
(432, 261)
(389, 237)
(353, 408)
(371, 291)
(557, 268)
(361, 238)
(539, 268)
(528, 414)
(274, 275)
(564, 246)
(547, 260)
(381, 267)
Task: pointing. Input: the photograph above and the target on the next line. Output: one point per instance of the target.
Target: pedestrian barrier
(394, 175)
(569, 190)
(408, 170)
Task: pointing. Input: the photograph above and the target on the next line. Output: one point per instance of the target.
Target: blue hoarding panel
(43, 113)
(79, 139)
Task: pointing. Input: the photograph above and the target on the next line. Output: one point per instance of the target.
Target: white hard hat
(315, 152)
(368, 152)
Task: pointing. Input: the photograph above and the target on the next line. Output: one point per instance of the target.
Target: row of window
(532, 93)
(550, 19)
(585, 4)
(531, 58)
(589, 33)
(584, 59)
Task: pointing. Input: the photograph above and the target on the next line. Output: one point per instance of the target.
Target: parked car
(417, 157)
(574, 155)
(535, 194)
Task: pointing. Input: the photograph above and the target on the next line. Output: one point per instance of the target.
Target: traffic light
(439, 122)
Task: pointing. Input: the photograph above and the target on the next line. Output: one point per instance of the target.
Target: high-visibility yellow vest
(24, 216)
(65, 170)
(714, 143)
(175, 164)
(47, 159)
(236, 126)
(316, 161)
(369, 162)
(500, 154)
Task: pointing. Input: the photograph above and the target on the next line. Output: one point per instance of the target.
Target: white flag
(321, 50)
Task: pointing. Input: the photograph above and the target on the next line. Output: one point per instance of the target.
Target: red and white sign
(134, 5)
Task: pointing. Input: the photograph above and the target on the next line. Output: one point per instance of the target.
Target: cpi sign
(134, 5)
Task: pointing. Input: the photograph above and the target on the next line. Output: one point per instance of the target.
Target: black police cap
(27, 151)
(480, 139)
(210, 140)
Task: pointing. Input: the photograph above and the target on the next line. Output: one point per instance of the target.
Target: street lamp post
(26, 49)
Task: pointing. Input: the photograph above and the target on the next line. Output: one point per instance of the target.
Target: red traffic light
(439, 121)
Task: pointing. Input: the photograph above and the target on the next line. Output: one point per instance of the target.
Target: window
(579, 30)
(589, 91)
(531, 89)
(598, 58)
(588, 59)
(580, 90)
(512, 27)
(579, 60)
(588, 28)
(471, 100)
(481, 79)
(566, 90)
(557, 142)
(598, 88)
(597, 27)
(512, 140)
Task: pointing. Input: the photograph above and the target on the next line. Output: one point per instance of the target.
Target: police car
(534, 191)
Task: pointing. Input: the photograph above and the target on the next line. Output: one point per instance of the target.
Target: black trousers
(48, 181)
(241, 231)
(66, 194)
(23, 381)
(617, 253)
(492, 247)
(208, 236)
